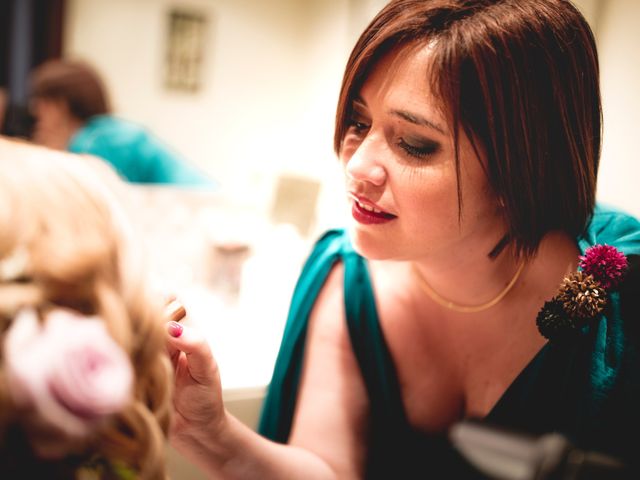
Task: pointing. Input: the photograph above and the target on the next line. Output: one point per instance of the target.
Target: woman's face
(54, 125)
(399, 160)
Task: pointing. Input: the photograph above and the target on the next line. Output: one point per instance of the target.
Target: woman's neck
(470, 277)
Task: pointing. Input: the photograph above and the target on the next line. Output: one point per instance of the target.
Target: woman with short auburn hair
(476, 279)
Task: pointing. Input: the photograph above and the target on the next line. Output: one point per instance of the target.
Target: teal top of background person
(588, 389)
(136, 154)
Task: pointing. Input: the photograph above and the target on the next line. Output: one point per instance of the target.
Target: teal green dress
(588, 389)
(136, 154)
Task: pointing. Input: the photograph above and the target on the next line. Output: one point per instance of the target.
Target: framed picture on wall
(185, 50)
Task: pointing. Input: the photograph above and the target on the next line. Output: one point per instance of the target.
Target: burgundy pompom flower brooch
(583, 294)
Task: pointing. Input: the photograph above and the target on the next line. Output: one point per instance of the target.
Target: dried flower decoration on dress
(605, 263)
(68, 370)
(583, 294)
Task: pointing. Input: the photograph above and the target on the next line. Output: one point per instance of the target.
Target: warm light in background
(270, 74)
(247, 90)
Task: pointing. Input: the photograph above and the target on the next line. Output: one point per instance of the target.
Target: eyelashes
(357, 125)
(419, 149)
(415, 147)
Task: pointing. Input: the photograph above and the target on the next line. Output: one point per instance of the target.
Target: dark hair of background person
(521, 80)
(75, 83)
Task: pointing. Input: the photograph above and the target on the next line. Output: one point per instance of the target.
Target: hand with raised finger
(199, 414)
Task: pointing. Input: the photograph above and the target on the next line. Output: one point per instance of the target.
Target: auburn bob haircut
(520, 79)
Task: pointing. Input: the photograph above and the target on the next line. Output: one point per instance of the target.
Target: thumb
(200, 362)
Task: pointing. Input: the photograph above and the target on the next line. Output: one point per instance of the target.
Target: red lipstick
(368, 213)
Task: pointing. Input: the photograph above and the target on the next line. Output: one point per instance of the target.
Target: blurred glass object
(227, 264)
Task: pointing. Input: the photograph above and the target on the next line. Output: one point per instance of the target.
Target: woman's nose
(365, 164)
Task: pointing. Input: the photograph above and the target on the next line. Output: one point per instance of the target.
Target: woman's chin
(368, 245)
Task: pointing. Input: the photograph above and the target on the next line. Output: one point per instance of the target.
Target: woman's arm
(331, 417)
(327, 439)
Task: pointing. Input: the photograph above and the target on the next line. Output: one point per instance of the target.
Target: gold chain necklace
(451, 305)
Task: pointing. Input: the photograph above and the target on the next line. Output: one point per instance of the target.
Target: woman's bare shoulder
(331, 377)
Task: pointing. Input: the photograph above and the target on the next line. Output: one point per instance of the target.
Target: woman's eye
(358, 126)
(418, 148)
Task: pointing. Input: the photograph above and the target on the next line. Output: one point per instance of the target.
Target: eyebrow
(417, 120)
(359, 102)
(408, 116)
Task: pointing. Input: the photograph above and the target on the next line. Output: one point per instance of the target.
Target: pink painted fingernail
(175, 329)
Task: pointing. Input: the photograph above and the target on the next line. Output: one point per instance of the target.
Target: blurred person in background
(71, 109)
(477, 277)
(85, 379)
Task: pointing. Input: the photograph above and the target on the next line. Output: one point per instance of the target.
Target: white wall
(619, 47)
(271, 76)
(272, 71)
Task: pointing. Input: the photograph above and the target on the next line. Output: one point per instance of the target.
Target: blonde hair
(63, 212)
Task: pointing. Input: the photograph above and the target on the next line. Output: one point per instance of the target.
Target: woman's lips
(364, 212)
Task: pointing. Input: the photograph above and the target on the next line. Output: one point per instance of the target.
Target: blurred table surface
(232, 268)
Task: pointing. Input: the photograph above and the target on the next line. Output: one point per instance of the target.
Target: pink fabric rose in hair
(69, 370)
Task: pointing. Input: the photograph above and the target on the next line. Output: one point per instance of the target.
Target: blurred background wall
(617, 30)
(271, 72)
(269, 78)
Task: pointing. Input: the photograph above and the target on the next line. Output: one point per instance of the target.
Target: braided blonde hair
(62, 213)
